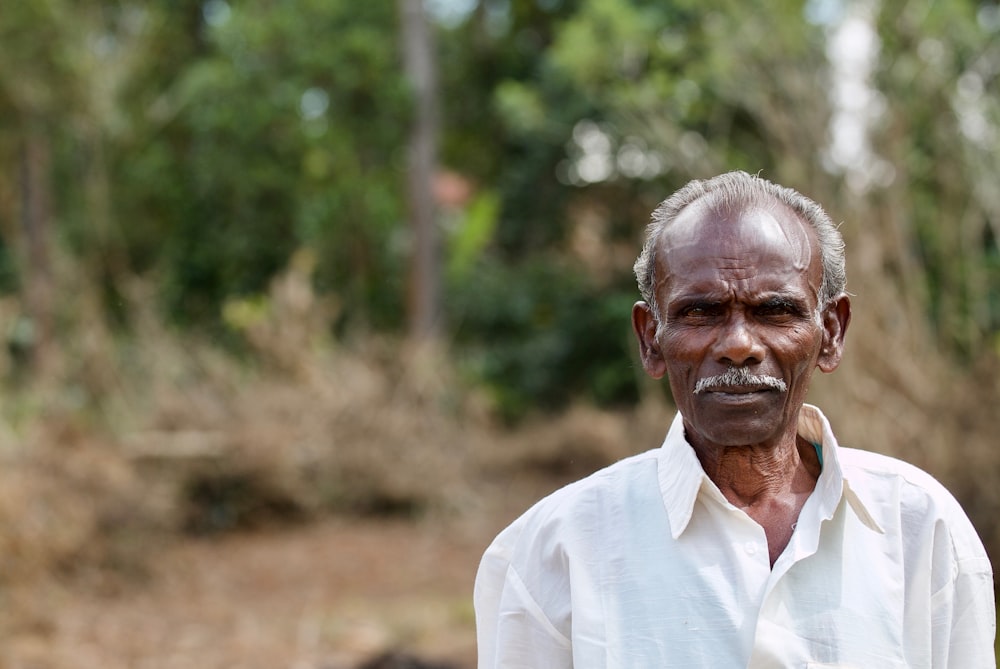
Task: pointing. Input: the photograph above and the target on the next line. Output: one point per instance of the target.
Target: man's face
(739, 292)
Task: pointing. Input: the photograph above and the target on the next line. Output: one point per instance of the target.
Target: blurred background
(303, 301)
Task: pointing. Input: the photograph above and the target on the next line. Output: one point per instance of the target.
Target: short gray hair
(728, 192)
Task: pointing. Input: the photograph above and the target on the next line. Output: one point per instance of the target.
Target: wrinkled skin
(741, 290)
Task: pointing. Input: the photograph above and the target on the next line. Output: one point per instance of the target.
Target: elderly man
(750, 538)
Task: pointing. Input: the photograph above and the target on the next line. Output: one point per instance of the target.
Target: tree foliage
(199, 145)
(939, 76)
(283, 130)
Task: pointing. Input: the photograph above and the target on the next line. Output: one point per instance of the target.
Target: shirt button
(750, 547)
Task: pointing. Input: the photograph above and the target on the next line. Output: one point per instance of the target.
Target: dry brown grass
(96, 516)
(185, 439)
(189, 439)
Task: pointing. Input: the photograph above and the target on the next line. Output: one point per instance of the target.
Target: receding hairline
(737, 191)
(734, 214)
(727, 209)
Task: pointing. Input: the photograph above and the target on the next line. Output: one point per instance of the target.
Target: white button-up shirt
(646, 564)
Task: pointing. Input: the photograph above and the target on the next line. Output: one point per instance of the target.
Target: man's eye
(700, 311)
(776, 310)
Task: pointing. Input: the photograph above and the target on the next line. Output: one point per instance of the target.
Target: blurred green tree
(282, 126)
(203, 142)
(597, 109)
(937, 77)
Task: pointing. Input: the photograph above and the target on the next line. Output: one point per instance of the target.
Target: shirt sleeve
(966, 615)
(963, 615)
(512, 630)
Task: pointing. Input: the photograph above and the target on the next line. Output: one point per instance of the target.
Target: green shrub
(540, 335)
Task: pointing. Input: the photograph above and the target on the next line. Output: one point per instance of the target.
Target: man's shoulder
(883, 475)
(578, 503)
(886, 467)
(611, 480)
(918, 501)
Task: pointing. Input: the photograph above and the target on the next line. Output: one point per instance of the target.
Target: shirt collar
(681, 476)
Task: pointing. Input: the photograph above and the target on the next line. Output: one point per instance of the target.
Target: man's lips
(739, 380)
(739, 390)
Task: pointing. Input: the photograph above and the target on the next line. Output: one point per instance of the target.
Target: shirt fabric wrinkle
(645, 564)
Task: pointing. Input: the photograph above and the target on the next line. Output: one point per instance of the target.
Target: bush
(540, 335)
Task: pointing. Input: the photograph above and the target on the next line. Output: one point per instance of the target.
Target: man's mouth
(737, 390)
(739, 380)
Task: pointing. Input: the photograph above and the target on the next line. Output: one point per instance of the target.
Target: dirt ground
(327, 595)
(330, 593)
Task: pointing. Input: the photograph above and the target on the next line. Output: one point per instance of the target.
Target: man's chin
(737, 419)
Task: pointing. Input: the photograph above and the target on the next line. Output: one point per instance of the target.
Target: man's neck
(750, 474)
(770, 483)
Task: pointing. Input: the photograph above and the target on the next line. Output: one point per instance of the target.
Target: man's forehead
(704, 228)
(743, 225)
(744, 239)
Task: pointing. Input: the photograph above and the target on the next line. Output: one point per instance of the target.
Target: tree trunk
(425, 273)
(36, 214)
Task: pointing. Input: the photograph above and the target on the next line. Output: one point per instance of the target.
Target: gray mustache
(736, 377)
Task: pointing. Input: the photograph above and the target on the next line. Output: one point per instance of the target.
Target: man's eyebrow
(700, 299)
(784, 300)
(780, 298)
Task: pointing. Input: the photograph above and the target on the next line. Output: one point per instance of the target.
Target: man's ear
(836, 318)
(645, 325)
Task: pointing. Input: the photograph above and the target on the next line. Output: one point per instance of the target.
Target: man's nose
(738, 344)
